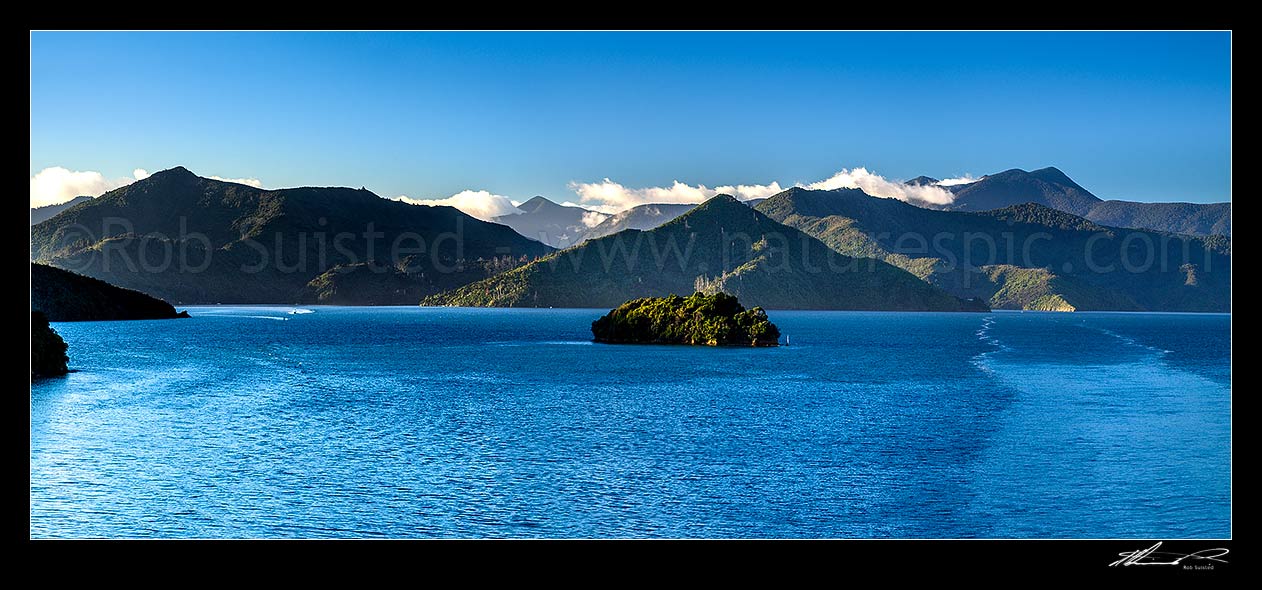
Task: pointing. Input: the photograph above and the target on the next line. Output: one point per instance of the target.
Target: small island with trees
(698, 319)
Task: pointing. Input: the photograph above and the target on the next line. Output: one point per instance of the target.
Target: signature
(1151, 556)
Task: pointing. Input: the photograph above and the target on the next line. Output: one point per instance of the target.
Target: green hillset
(765, 252)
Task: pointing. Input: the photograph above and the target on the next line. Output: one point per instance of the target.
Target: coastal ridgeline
(721, 245)
(1026, 256)
(189, 239)
(64, 296)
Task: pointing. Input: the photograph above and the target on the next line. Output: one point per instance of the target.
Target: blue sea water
(415, 422)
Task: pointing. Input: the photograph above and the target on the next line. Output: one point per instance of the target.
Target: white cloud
(254, 182)
(877, 186)
(965, 179)
(746, 192)
(593, 218)
(615, 194)
(599, 208)
(55, 185)
(609, 195)
(480, 204)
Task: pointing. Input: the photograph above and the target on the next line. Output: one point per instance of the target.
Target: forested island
(699, 319)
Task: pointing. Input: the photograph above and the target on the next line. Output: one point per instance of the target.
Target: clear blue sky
(1142, 116)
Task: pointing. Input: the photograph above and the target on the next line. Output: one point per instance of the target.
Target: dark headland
(64, 296)
(48, 350)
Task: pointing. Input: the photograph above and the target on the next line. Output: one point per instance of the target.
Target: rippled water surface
(413, 422)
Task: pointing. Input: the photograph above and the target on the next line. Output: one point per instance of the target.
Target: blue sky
(1142, 116)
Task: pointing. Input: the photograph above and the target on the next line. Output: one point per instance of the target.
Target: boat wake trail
(982, 360)
(1132, 342)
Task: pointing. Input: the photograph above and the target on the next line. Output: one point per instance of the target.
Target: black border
(834, 560)
(828, 560)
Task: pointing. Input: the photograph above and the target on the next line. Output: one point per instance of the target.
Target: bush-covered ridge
(1052, 188)
(699, 319)
(210, 232)
(1012, 257)
(720, 245)
(65, 296)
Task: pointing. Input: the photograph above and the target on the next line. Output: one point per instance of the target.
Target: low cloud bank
(480, 204)
(608, 195)
(56, 185)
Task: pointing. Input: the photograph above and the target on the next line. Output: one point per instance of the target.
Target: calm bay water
(411, 422)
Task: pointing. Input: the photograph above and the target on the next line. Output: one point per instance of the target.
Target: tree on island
(712, 320)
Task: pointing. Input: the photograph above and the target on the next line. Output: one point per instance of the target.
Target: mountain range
(562, 226)
(558, 226)
(1049, 187)
(641, 217)
(1052, 188)
(188, 239)
(1026, 256)
(719, 245)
